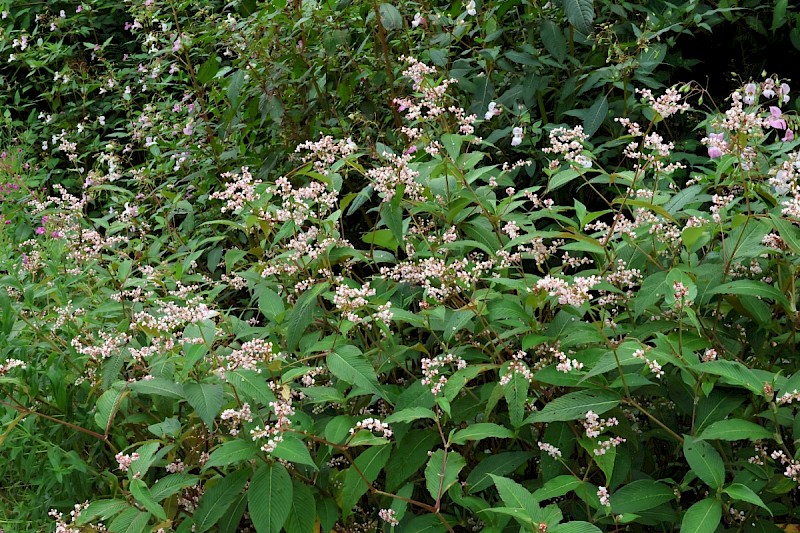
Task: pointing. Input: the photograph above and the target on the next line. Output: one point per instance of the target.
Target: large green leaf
(751, 287)
(640, 495)
(219, 496)
(269, 498)
(480, 431)
(735, 429)
(207, 399)
(575, 405)
(158, 387)
(516, 393)
(442, 472)
(303, 512)
(558, 486)
(391, 19)
(369, 463)
(301, 315)
(580, 14)
(702, 517)
(142, 495)
(596, 115)
(409, 457)
(553, 40)
(705, 461)
(349, 364)
(498, 464)
(230, 452)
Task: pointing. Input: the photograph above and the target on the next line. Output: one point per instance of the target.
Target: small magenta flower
(189, 129)
(789, 136)
(716, 143)
(40, 230)
(775, 119)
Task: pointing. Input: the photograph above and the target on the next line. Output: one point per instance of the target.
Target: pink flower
(775, 119)
(789, 136)
(750, 93)
(40, 230)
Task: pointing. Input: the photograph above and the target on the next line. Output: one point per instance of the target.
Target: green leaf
(575, 405)
(442, 472)
(743, 493)
(640, 495)
(480, 431)
(779, 14)
(349, 364)
(142, 495)
(702, 517)
(391, 214)
(705, 461)
(595, 116)
(751, 287)
(107, 405)
(391, 19)
(516, 393)
(172, 484)
(158, 387)
(234, 451)
(516, 496)
(293, 450)
(561, 178)
(553, 40)
(409, 415)
(130, 521)
(301, 315)
(269, 498)
(250, 384)
(370, 463)
(653, 289)
(580, 14)
(733, 372)
(101, 510)
(788, 232)
(206, 399)
(410, 455)
(303, 512)
(498, 464)
(218, 497)
(558, 486)
(575, 527)
(735, 429)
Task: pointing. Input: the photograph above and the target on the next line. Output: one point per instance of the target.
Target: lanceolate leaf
(705, 461)
(369, 463)
(303, 511)
(301, 315)
(269, 498)
(640, 495)
(596, 116)
(206, 398)
(350, 365)
(580, 14)
(702, 517)
(735, 429)
(219, 496)
(575, 405)
(442, 472)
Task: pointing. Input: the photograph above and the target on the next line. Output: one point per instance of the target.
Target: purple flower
(789, 136)
(40, 230)
(714, 152)
(750, 93)
(775, 119)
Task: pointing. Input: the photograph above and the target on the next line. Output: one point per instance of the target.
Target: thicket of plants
(347, 266)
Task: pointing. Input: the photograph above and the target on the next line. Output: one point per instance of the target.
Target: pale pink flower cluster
(788, 397)
(550, 450)
(511, 229)
(326, 151)
(125, 460)
(594, 425)
(655, 368)
(439, 279)
(604, 446)
(773, 240)
(302, 203)
(233, 418)
(567, 143)
(237, 192)
(720, 202)
(274, 433)
(575, 295)
(431, 370)
(681, 293)
(63, 527)
(170, 316)
(767, 88)
(349, 299)
(388, 178)
(792, 466)
(250, 356)
(516, 366)
(667, 104)
(389, 516)
(709, 355)
(8, 364)
(605, 497)
(176, 466)
(374, 425)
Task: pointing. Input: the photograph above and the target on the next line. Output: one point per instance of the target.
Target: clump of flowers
(432, 370)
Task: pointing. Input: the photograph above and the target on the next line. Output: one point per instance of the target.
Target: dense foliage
(346, 266)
